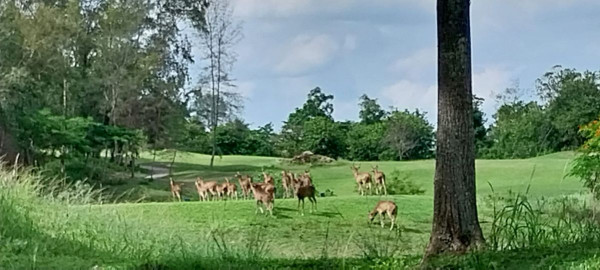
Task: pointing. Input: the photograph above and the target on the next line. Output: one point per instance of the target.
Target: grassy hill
(228, 234)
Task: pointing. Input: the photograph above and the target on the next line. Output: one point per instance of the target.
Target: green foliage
(409, 135)
(319, 105)
(322, 136)
(521, 130)
(398, 183)
(481, 137)
(370, 111)
(365, 141)
(573, 99)
(586, 166)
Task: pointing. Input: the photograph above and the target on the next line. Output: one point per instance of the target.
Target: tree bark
(455, 227)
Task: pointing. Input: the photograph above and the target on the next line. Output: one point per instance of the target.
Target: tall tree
(370, 110)
(455, 225)
(221, 33)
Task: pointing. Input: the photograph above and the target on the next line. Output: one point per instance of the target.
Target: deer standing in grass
(264, 197)
(363, 180)
(221, 190)
(286, 182)
(379, 177)
(245, 184)
(231, 189)
(382, 209)
(302, 191)
(268, 178)
(175, 189)
(206, 189)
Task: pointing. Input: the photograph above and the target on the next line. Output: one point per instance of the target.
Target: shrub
(400, 183)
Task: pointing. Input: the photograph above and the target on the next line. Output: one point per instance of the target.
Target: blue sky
(387, 49)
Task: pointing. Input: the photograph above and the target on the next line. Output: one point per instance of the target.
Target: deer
(379, 178)
(286, 182)
(231, 189)
(264, 197)
(363, 179)
(382, 209)
(221, 190)
(306, 178)
(303, 191)
(205, 188)
(175, 189)
(245, 183)
(268, 178)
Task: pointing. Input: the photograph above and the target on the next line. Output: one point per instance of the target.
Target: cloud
(406, 94)
(418, 65)
(306, 52)
(489, 82)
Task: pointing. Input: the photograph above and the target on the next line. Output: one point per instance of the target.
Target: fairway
(339, 228)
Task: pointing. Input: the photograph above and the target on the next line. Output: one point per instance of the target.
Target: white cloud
(306, 52)
(345, 110)
(406, 94)
(418, 64)
(488, 82)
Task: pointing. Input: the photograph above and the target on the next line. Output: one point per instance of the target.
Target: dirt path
(157, 170)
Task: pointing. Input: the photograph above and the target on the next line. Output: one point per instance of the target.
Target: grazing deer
(286, 182)
(264, 197)
(382, 208)
(245, 183)
(305, 191)
(231, 189)
(175, 189)
(379, 177)
(363, 179)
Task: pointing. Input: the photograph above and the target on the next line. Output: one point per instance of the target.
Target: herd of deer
(294, 185)
(364, 180)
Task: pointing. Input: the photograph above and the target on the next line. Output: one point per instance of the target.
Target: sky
(387, 50)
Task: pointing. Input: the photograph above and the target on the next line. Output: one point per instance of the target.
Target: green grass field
(171, 232)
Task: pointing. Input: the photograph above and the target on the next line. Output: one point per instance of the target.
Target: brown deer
(379, 177)
(245, 184)
(306, 178)
(268, 178)
(363, 180)
(286, 182)
(305, 191)
(221, 190)
(264, 197)
(206, 189)
(382, 208)
(231, 189)
(175, 189)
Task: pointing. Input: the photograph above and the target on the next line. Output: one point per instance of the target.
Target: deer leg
(303, 206)
(299, 206)
(393, 219)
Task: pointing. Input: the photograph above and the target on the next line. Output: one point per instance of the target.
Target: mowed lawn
(339, 228)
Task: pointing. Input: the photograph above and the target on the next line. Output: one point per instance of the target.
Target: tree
(318, 104)
(521, 130)
(455, 222)
(370, 110)
(481, 138)
(409, 135)
(573, 99)
(365, 141)
(586, 165)
(220, 34)
(323, 136)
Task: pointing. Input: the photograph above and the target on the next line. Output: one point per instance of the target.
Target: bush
(400, 183)
(93, 171)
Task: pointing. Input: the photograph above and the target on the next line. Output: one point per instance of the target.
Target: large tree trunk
(455, 226)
